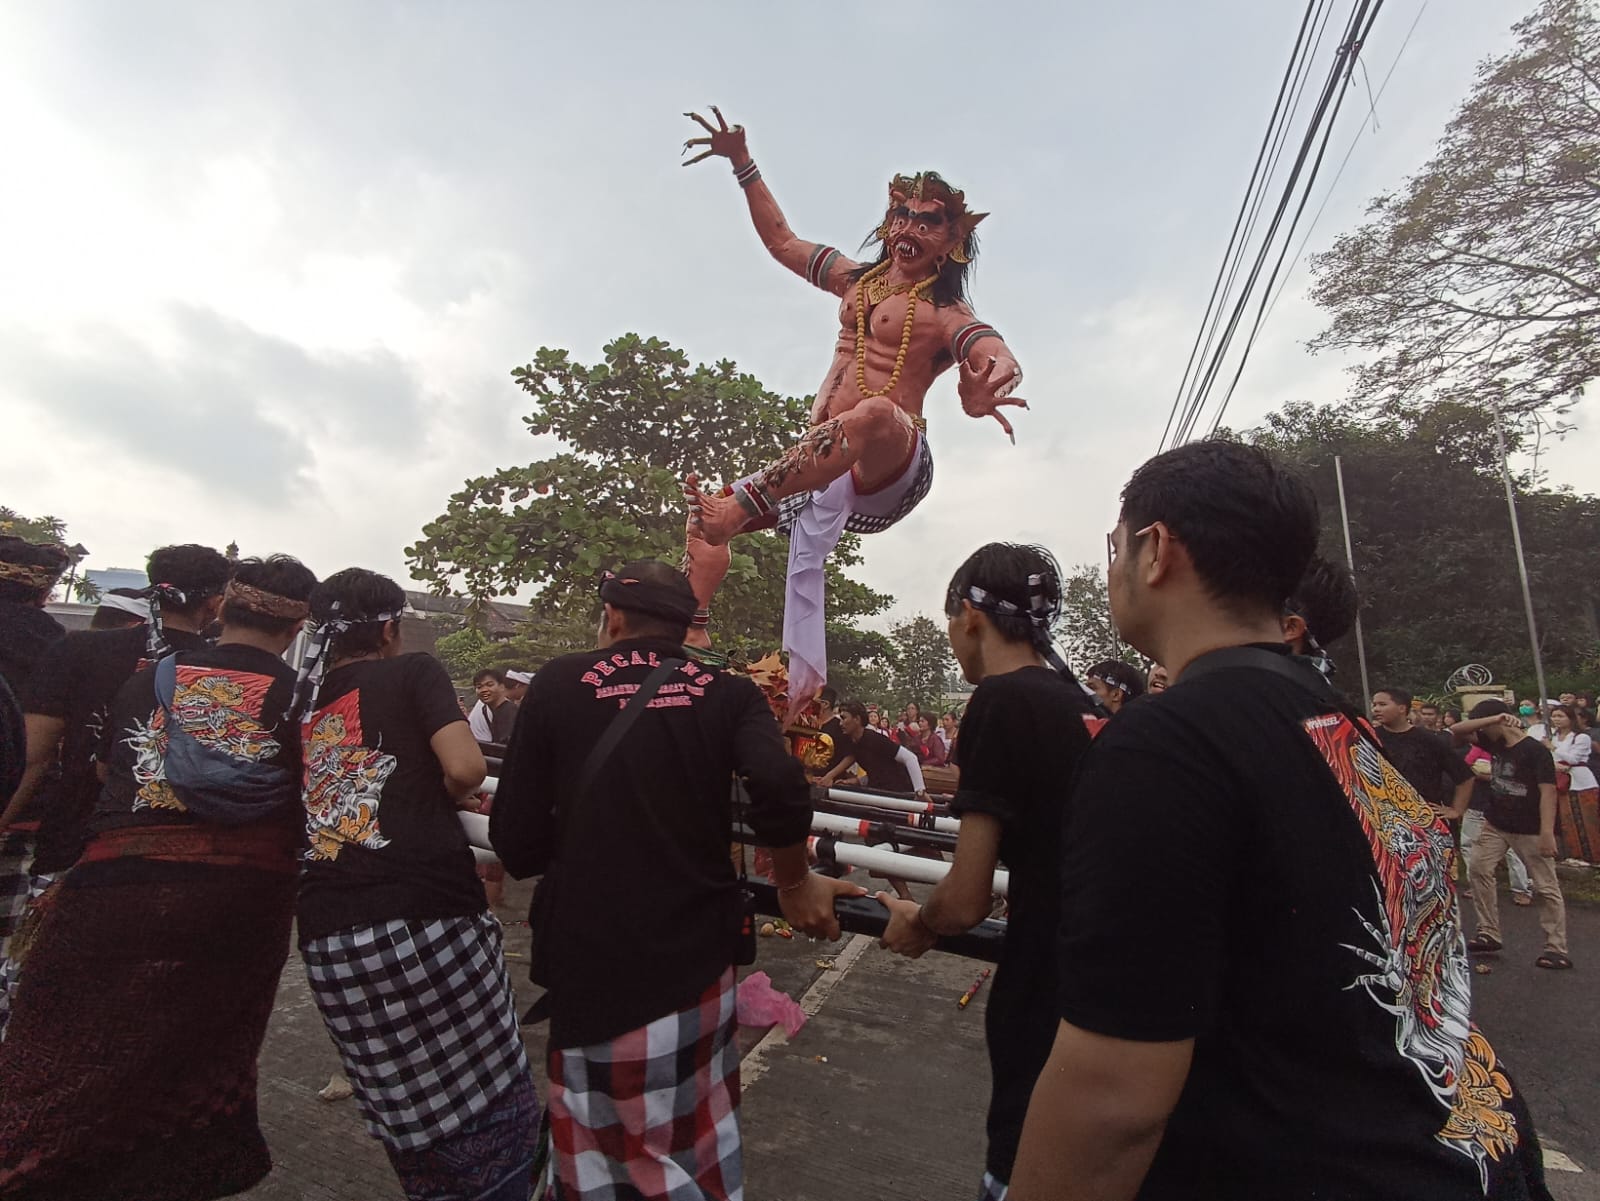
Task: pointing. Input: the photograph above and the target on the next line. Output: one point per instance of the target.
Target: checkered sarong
(20, 887)
(992, 1189)
(654, 1112)
(424, 1018)
(789, 507)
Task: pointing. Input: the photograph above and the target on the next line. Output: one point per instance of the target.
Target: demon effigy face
(927, 224)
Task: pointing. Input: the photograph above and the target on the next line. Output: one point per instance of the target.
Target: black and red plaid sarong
(654, 1112)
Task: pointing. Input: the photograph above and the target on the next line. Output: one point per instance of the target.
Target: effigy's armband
(819, 264)
(968, 336)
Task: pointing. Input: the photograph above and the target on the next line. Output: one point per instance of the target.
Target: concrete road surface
(882, 1095)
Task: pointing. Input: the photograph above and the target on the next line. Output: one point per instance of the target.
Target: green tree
(33, 529)
(1433, 553)
(632, 426)
(1084, 631)
(922, 661)
(1479, 280)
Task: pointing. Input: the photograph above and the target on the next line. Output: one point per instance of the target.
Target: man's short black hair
(1248, 524)
(361, 595)
(1325, 599)
(199, 572)
(49, 560)
(1426, 705)
(1489, 708)
(1129, 680)
(856, 710)
(1398, 696)
(281, 575)
(489, 673)
(829, 696)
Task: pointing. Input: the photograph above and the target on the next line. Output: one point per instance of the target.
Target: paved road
(1546, 1027)
(882, 1094)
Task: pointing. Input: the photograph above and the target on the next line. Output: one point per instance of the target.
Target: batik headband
(31, 575)
(268, 604)
(644, 596)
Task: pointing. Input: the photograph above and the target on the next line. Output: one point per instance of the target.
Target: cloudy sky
(268, 265)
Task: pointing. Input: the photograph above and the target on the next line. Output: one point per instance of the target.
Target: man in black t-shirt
(889, 767)
(633, 848)
(829, 724)
(28, 572)
(1520, 815)
(164, 943)
(1427, 760)
(1274, 999)
(66, 702)
(1022, 734)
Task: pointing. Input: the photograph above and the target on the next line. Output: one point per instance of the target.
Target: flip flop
(1482, 944)
(1555, 961)
(1521, 898)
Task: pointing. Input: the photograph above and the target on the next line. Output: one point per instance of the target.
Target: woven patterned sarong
(130, 1069)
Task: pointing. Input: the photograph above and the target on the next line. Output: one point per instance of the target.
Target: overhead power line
(1244, 266)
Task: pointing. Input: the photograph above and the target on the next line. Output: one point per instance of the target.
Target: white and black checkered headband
(1041, 611)
(313, 664)
(155, 637)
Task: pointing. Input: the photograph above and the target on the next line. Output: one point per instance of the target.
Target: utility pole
(1522, 563)
(1350, 558)
(1116, 638)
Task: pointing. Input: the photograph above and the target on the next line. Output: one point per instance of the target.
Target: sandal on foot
(1482, 944)
(1553, 960)
(1522, 898)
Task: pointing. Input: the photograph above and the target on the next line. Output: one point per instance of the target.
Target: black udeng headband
(643, 596)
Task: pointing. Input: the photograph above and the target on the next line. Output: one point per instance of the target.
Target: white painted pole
(1350, 558)
(883, 802)
(904, 867)
(1522, 567)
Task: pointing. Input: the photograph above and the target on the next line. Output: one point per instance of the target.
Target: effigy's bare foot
(713, 519)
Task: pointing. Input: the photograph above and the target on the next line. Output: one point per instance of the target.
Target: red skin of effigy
(872, 435)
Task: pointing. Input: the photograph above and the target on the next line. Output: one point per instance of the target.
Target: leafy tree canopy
(1479, 280)
(632, 425)
(1433, 553)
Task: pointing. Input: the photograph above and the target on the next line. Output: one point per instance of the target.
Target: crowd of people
(180, 803)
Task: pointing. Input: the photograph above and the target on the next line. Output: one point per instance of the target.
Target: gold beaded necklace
(913, 294)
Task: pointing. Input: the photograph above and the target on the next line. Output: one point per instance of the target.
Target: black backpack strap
(1294, 668)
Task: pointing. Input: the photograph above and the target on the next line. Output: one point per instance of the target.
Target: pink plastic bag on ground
(760, 1005)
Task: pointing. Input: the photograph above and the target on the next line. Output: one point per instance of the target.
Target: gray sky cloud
(326, 233)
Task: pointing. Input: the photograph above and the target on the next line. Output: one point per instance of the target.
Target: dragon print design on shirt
(219, 708)
(344, 781)
(1416, 953)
